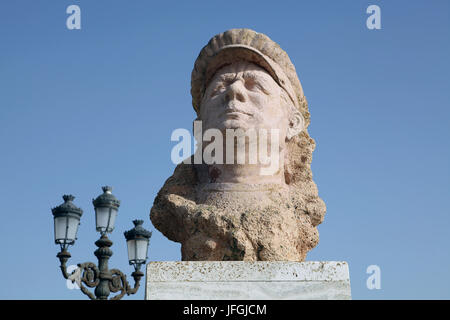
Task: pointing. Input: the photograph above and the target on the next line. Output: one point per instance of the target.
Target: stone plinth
(247, 280)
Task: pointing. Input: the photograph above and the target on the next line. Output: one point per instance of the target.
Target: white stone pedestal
(242, 280)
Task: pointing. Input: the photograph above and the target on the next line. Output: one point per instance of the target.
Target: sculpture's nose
(236, 91)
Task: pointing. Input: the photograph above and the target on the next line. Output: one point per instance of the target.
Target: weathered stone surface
(234, 280)
(244, 80)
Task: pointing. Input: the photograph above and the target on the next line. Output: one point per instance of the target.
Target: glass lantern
(67, 219)
(137, 242)
(106, 207)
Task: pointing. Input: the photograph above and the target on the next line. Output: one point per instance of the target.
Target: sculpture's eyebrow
(256, 77)
(226, 77)
(261, 80)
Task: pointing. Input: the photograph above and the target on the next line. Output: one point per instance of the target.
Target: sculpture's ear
(296, 124)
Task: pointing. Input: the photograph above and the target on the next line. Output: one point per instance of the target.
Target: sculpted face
(242, 96)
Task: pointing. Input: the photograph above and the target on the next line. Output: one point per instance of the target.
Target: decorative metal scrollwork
(118, 283)
(88, 275)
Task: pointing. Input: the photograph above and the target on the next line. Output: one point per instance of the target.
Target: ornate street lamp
(105, 281)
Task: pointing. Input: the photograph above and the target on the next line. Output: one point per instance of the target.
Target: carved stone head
(223, 210)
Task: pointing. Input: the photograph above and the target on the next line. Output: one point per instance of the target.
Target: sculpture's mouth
(235, 114)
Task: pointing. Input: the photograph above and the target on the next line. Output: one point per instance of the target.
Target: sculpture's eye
(250, 84)
(253, 84)
(219, 88)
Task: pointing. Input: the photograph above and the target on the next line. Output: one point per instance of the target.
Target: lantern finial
(68, 197)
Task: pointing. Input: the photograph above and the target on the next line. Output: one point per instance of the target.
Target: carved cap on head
(245, 44)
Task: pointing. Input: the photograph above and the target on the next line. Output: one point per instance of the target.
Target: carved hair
(297, 167)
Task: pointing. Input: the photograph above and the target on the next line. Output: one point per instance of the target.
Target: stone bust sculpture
(218, 210)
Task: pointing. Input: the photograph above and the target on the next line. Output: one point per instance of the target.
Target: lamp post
(105, 281)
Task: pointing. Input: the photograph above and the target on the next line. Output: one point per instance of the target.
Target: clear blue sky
(80, 109)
